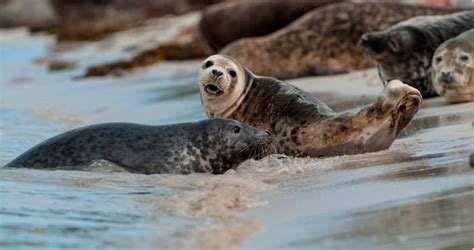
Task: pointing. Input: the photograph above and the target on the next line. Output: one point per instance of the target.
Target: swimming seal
(212, 146)
(324, 41)
(453, 68)
(301, 124)
(405, 50)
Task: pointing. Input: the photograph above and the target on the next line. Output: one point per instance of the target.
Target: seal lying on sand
(225, 22)
(453, 68)
(324, 40)
(405, 50)
(303, 125)
(212, 146)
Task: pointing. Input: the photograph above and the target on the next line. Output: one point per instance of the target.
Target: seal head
(222, 84)
(453, 68)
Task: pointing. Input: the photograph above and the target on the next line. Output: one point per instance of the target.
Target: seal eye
(232, 73)
(438, 60)
(207, 64)
(464, 58)
(236, 129)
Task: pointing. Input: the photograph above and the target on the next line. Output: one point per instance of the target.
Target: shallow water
(417, 194)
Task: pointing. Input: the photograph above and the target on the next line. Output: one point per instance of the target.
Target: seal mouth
(213, 90)
(266, 138)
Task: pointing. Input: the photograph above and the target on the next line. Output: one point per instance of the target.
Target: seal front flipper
(375, 126)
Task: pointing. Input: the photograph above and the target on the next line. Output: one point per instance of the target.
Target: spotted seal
(323, 41)
(405, 50)
(303, 125)
(453, 68)
(212, 146)
(267, 17)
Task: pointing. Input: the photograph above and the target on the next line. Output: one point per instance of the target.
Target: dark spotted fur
(207, 146)
(324, 40)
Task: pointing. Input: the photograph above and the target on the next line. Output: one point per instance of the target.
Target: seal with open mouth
(212, 146)
(453, 68)
(302, 125)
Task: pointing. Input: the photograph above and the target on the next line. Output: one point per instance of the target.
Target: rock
(172, 51)
(91, 19)
(36, 14)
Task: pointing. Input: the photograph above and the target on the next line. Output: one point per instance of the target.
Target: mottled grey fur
(405, 50)
(212, 145)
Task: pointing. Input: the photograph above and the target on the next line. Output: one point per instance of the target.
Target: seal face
(212, 146)
(302, 125)
(453, 68)
(405, 50)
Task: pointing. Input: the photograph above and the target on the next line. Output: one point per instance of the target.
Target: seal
(301, 124)
(211, 146)
(324, 41)
(405, 50)
(267, 17)
(453, 68)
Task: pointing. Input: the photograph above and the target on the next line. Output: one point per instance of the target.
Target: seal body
(303, 125)
(323, 41)
(453, 68)
(405, 50)
(266, 17)
(212, 146)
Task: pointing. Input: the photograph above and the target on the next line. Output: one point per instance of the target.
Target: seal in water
(303, 125)
(323, 41)
(212, 146)
(405, 50)
(453, 68)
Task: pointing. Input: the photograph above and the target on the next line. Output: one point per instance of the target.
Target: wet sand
(417, 194)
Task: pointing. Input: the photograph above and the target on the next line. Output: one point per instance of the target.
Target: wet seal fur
(212, 146)
(323, 41)
(453, 68)
(405, 50)
(302, 125)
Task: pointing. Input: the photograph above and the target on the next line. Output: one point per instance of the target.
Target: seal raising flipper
(453, 68)
(303, 125)
(212, 146)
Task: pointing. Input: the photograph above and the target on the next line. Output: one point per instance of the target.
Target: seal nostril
(268, 133)
(216, 72)
(445, 74)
